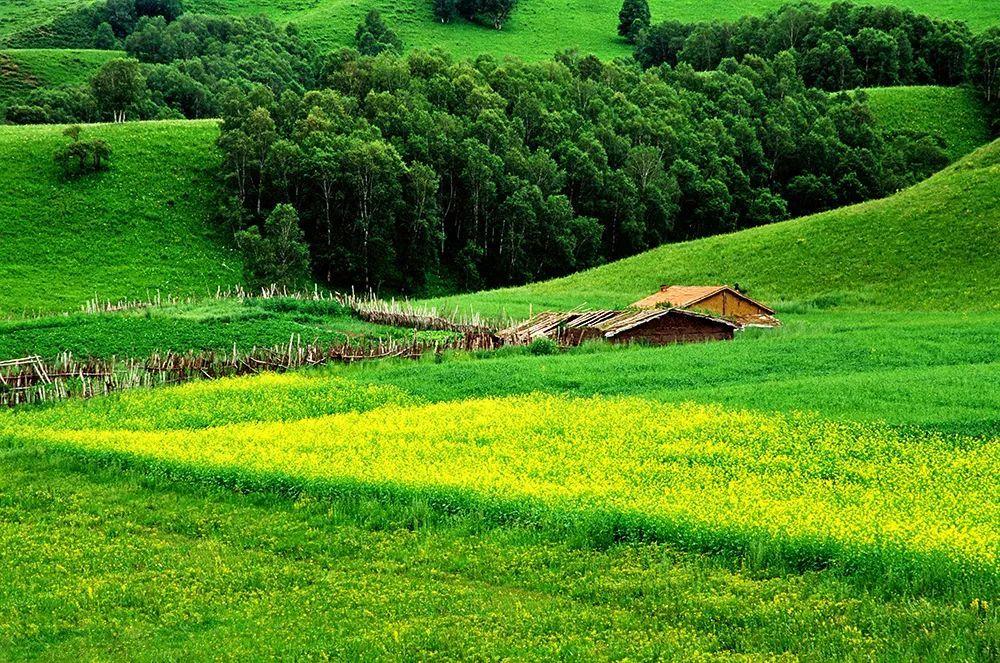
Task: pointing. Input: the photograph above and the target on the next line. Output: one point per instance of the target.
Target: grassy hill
(17, 15)
(141, 226)
(537, 28)
(23, 70)
(955, 113)
(929, 247)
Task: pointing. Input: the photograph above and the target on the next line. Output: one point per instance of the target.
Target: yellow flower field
(791, 487)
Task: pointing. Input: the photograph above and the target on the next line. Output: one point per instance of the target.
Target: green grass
(102, 564)
(925, 248)
(24, 70)
(955, 113)
(928, 370)
(18, 15)
(102, 540)
(144, 225)
(537, 28)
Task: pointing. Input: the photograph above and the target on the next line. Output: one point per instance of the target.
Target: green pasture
(145, 225)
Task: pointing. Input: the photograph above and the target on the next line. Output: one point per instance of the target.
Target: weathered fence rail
(33, 380)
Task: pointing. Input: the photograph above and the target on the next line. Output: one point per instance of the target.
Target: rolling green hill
(141, 226)
(537, 28)
(955, 113)
(23, 70)
(930, 247)
(17, 15)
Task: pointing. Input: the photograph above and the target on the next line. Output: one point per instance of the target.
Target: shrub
(543, 346)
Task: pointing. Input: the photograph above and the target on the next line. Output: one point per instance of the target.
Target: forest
(421, 171)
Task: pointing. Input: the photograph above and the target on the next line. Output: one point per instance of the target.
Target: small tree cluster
(493, 12)
(373, 36)
(633, 18)
(276, 254)
(118, 85)
(80, 157)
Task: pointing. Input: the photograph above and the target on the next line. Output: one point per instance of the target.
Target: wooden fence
(33, 380)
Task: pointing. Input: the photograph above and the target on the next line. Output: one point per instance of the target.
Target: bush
(543, 346)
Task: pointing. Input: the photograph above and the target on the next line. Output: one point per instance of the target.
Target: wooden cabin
(720, 300)
(660, 326)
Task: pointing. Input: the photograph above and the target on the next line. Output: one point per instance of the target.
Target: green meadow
(206, 324)
(373, 493)
(18, 15)
(142, 226)
(955, 114)
(536, 28)
(25, 70)
(821, 491)
(139, 567)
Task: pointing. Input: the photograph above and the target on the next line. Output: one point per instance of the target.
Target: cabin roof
(685, 296)
(610, 323)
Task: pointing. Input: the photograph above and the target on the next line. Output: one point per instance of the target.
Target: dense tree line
(985, 71)
(404, 169)
(184, 66)
(839, 47)
(102, 24)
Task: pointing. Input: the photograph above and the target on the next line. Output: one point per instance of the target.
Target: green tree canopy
(633, 18)
(118, 85)
(373, 36)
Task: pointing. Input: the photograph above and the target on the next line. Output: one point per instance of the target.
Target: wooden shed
(660, 326)
(721, 300)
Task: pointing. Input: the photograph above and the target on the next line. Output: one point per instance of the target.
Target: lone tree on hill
(497, 11)
(117, 85)
(279, 255)
(373, 36)
(445, 9)
(633, 18)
